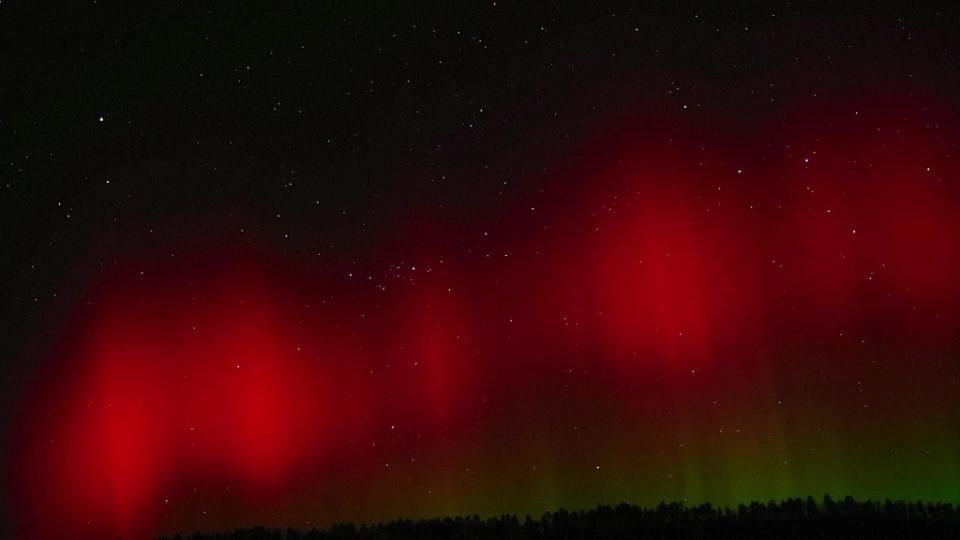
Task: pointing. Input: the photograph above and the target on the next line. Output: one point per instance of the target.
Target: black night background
(292, 264)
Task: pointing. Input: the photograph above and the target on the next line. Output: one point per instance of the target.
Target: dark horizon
(790, 518)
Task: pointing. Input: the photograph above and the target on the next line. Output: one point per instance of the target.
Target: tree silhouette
(791, 518)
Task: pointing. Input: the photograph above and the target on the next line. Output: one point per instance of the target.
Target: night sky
(297, 264)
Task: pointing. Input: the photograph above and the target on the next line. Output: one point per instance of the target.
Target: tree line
(790, 518)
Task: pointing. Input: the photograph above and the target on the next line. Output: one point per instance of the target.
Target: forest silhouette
(791, 518)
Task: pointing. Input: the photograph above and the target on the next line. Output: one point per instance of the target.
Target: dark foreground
(793, 518)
